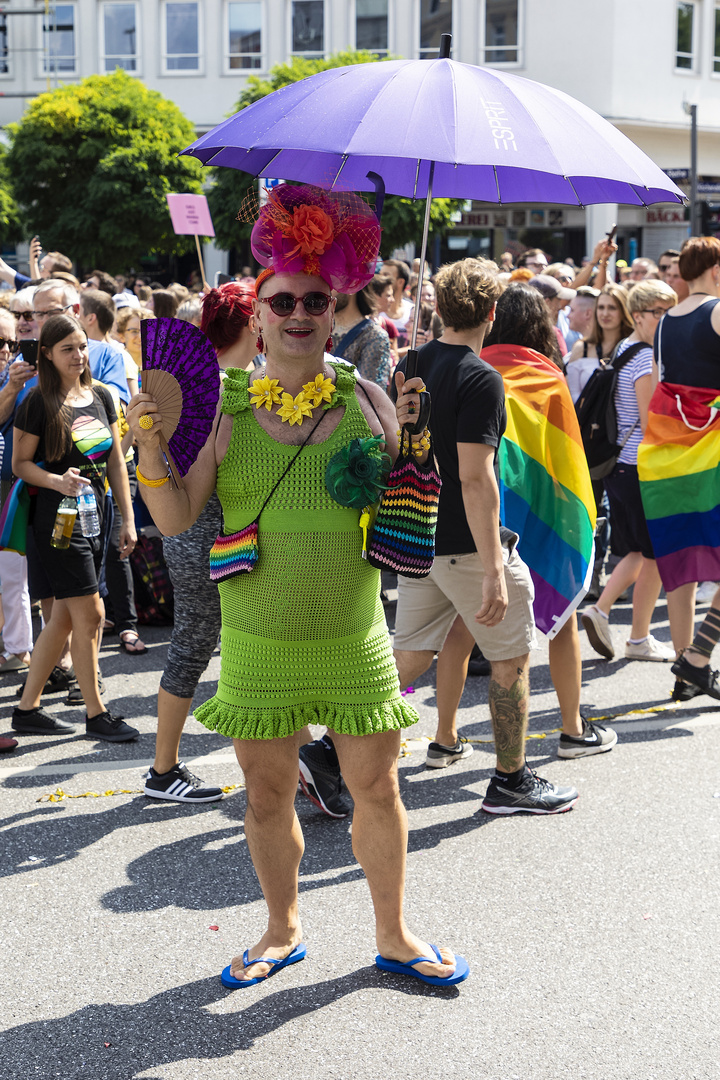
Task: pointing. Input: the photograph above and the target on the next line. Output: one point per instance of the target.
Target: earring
(329, 344)
(260, 344)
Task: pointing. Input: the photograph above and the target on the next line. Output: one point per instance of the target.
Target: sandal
(10, 662)
(129, 640)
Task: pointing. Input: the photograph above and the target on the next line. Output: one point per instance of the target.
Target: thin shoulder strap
(370, 401)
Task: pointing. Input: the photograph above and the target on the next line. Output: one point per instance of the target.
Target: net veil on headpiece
(327, 234)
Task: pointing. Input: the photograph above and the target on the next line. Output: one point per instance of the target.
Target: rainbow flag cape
(679, 478)
(545, 491)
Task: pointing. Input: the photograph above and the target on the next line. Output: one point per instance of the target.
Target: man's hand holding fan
(173, 413)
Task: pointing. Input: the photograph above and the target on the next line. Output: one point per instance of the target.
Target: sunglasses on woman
(27, 315)
(10, 342)
(284, 303)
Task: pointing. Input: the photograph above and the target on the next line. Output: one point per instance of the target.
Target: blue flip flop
(461, 972)
(230, 983)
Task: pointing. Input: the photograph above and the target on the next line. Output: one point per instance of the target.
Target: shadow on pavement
(174, 1025)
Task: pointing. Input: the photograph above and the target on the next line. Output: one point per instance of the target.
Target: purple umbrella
(465, 132)
(493, 136)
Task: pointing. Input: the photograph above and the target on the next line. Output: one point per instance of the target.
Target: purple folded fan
(180, 371)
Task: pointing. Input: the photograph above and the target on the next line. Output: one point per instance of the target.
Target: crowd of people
(323, 334)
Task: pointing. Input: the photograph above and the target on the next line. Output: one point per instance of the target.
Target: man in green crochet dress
(304, 638)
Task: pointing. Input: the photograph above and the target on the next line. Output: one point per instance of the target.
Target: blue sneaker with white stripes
(179, 785)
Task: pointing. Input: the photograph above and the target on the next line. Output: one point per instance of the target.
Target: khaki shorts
(427, 607)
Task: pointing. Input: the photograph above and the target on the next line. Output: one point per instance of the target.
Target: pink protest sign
(190, 215)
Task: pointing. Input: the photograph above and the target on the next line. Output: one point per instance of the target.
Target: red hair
(226, 312)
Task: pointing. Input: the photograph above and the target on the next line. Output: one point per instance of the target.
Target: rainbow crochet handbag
(238, 552)
(402, 537)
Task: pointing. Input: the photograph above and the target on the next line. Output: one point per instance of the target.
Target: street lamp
(691, 110)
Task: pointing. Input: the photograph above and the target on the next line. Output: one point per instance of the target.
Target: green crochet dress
(304, 638)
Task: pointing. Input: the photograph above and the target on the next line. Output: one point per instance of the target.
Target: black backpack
(597, 417)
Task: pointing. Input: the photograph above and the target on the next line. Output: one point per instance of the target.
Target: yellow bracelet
(151, 483)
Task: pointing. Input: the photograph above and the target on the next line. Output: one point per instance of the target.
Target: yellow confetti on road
(58, 794)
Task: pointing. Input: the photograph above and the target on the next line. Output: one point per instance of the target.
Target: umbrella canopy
(494, 137)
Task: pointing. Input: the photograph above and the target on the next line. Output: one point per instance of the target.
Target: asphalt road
(592, 936)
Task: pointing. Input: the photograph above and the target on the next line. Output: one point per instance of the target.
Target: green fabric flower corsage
(356, 475)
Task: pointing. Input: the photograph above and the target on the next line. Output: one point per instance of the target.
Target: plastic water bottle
(87, 512)
(64, 524)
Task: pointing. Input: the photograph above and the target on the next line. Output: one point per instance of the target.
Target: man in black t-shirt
(479, 589)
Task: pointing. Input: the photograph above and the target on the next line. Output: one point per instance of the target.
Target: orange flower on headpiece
(312, 228)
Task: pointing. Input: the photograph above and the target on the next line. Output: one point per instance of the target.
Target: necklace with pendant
(293, 410)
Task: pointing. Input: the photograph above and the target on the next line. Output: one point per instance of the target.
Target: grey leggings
(197, 602)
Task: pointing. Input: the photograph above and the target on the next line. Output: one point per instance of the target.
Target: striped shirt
(626, 405)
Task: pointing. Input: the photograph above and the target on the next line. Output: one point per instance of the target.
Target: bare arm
(24, 448)
(481, 499)
(173, 510)
(7, 274)
(34, 259)
(644, 387)
(603, 251)
(391, 416)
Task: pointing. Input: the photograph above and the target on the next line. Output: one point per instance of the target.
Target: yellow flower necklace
(269, 392)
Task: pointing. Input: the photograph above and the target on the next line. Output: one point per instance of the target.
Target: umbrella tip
(445, 43)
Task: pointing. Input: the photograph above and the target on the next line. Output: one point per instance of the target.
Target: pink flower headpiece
(327, 234)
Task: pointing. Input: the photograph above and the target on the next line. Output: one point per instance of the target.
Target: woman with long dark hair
(69, 424)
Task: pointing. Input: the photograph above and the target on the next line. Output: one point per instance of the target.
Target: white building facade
(637, 62)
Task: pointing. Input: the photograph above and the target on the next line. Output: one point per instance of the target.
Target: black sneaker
(684, 691)
(439, 756)
(704, 678)
(75, 694)
(321, 780)
(39, 722)
(533, 796)
(595, 739)
(110, 728)
(58, 679)
(478, 664)
(179, 785)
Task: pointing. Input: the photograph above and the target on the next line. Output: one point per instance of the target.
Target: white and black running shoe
(532, 796)
(439, 756)
(179, 785)
(595, 739)
(321, 781)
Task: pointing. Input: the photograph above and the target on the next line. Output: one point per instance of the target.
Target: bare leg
(681, 613)
(566, 675)
(275, 841)
(645, 597)
(172, 713)
(625, 574)
(86, 614)
(379, 836)
(64, 660)
(451, 674)
(411, 665)
(508, 698)
(692, 655)
(44, 656)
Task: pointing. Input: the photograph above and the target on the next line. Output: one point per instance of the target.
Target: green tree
(10, 224)
(91, 164)
(402, 219)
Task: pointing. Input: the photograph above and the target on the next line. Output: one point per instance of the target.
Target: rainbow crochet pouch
(239, 552)
(403, 534)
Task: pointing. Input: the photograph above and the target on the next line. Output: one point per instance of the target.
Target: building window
(120, 37)
(182, 36)
(244, 35)
(371, 25)
(308, 28)
(684, 49)
(4, 64)
(501, 32)
(716, 54)
(435, 19)
(59, 40)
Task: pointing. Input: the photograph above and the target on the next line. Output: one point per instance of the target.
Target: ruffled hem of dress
(236, 392)
(238, 723)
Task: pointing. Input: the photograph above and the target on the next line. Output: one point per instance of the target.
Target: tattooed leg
(508, 697)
